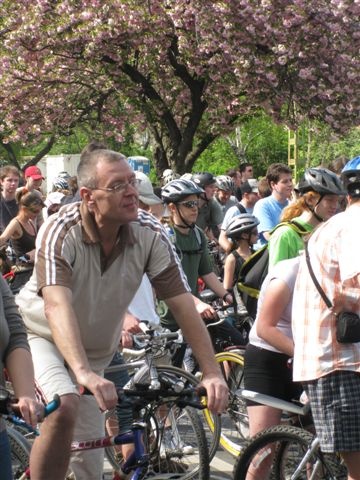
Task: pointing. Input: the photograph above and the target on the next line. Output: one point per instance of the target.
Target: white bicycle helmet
(243, 223)
(225, 183)
(178, 189)
(168, 175)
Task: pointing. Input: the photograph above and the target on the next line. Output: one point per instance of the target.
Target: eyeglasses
(190, 204)
(120, 187)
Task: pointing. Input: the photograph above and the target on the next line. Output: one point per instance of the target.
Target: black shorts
(267, 372)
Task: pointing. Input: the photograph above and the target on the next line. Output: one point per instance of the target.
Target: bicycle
(234, 422)
(143, 462)
(153, 346)
(286, 451)
(19, 446)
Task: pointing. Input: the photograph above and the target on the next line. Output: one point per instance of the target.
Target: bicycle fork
(306, 461)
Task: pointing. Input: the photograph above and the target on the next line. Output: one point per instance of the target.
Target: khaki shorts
(52, 376)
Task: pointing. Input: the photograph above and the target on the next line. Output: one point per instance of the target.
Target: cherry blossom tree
(185, 69)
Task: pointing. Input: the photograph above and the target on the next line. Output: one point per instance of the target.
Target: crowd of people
(104, 248)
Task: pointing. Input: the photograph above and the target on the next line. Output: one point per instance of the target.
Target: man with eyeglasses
(246, 171)
(90, 259)
(182, 198)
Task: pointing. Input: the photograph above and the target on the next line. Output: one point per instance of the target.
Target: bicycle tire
(186, 431)
(279, 450)
(234, 423)
(212, 434)
(171, 462)
(20, 453)
(207, 442)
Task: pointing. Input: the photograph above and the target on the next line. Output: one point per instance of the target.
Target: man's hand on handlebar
(206, 311)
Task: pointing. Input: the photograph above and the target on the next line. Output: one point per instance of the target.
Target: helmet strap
(313, 209)
(185, 224)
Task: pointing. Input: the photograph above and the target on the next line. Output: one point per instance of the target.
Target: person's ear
(86, 194)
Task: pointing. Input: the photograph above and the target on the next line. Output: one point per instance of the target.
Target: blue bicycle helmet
(351, 176)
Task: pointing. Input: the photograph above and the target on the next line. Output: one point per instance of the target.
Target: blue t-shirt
(268, 211)
(232, 213)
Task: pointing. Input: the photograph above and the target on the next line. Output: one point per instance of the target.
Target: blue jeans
(5, 457)
(124, 413)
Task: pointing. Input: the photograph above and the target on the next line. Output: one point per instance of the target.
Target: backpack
(255, 268)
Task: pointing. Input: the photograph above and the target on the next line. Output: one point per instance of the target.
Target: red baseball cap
(34, 172)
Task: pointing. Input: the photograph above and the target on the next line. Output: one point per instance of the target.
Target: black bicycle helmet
(322, 181)
(225, 183)
(243, 223)
(178, 189)
(351, 176)
(203, 179)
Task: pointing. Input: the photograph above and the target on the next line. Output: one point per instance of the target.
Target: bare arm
(229, 269)
(216, 286)
(266, 235)
(276, 299)
(13, 230)
(183, 308)
(21, 372)
(224, 242)
(205, 310)
(66, 335)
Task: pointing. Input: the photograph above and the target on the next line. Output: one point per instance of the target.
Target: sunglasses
(190, 204)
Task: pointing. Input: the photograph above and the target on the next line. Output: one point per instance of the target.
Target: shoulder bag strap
(314, 279)
(241, 208)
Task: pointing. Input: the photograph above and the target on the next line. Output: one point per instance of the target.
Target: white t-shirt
(285, 270)
(142, 306)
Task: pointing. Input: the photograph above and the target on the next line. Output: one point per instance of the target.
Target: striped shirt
(69, 254)
(335, 258)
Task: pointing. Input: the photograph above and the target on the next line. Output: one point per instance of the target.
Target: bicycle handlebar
(16, 420)
(158, 336)
(187, 397)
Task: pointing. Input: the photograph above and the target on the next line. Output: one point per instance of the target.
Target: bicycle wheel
(279, 453)
(177, 442)
(234, 422)
(212, 433)
(20, 453)
(188, 456)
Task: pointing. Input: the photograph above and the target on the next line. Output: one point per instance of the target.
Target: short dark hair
(232, 172)
(243, 166)
(275, 170)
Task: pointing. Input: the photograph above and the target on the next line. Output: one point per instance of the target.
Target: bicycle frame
(137, 460)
